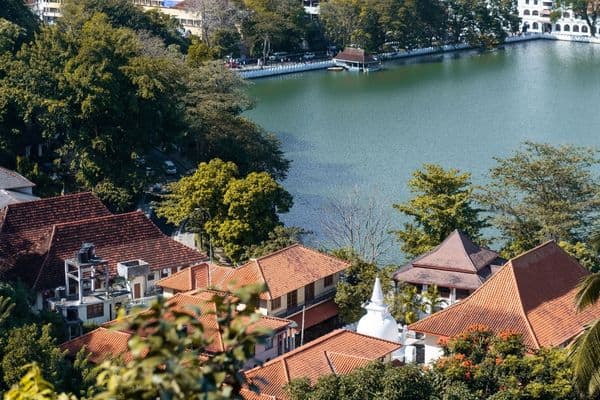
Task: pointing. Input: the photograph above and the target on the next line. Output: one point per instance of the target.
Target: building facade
(536, 17)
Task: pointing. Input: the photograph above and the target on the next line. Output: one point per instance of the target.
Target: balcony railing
(329, 294)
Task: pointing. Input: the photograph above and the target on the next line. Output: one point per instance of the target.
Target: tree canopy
(543, 192)
(235, 211)
(443, 201)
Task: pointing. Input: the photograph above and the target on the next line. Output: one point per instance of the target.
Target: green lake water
(348, 132)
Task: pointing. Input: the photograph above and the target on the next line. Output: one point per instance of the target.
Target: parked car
(279, 56)
(308, 55)
(170, 168)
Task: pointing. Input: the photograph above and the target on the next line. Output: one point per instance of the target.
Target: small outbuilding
(355, 59)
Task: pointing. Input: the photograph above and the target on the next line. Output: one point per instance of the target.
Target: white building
(535, 15)
(49, 11)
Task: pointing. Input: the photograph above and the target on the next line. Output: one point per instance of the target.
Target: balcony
(329, 294)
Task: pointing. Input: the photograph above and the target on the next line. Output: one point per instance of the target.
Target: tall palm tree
(585, 351)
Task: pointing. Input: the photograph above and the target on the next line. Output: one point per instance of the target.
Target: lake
(348, 132)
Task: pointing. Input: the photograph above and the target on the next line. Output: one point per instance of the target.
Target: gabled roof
(196, 277)
(117, 238)
(456, 262)
(532, 294)
(352, 54)
(13, 180)
(339, 352)
(285, 270)
(109, 339)
(26, 228)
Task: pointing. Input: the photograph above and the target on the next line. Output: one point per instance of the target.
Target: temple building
(532, 294)
(457, 267)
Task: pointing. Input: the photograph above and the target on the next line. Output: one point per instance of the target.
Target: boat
(356, 59)
(336, 68)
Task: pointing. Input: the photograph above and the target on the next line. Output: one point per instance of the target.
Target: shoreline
(256, 73)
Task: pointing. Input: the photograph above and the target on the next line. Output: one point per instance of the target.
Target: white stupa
(378, 322)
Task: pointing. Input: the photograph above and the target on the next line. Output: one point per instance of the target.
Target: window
(165, 272)
(328, 281)
(262, 303)
(95, 310)
(269, 343)
(526, 1)
(575, 28)
(584, 29)
(566, 28)
(309, 292)
(292, 299)
(461, 294)
(535, 25)
(566, 15)
(557, 28)
(151, 276)
(444, 291)
(276, 303)
(526, 12)
(535, 12)
(535, 2)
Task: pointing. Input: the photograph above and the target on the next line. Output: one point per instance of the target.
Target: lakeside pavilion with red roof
(532, 294)
(457, 267)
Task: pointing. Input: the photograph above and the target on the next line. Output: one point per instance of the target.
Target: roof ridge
(348, 355)
(304, 347)
(372, 337)
(53, 198)
(462, 236)
(262, 275)
(464, 301)
(539, 246)
(521, 308)
(285, 370)
(275, 252)
(94, 219)
(46, 257)
(330, 362)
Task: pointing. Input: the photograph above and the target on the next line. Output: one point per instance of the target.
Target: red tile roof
(317, 314)
(117, 238)
(285, 270)
(533, 294)
(354, 55)
(196, 277)
(26, 229)
(111, 339)
(338, 352)
(457, 262)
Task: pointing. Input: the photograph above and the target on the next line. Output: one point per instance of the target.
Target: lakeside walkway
(258, 72)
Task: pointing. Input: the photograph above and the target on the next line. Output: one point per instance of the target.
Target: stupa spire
(377, 296)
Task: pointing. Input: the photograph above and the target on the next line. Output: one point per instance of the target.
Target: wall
(432, 350)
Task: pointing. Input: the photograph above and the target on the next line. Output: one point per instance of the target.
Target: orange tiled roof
(338, 352)
(317, 314)
(26, 229)
(101, 343)
(533, 294)
(457, 262)
(285, 270)
(117, 238)
(110, 339)
(196, 277)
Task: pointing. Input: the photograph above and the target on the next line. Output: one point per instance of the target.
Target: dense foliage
(443, 201)
(236, 211)
(108, 86)
(544, 192)
(408, 24)
(477, 365)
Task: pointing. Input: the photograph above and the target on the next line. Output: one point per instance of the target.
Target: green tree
(585, 351)
(356, 286)
(443, 201)
(170, 363)
(373, 381)
(31, 343)
(543, 192)
(33, 386)
(584, 253)
(480, 364)
(17, 12)
(236, 212)
(279, 238)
